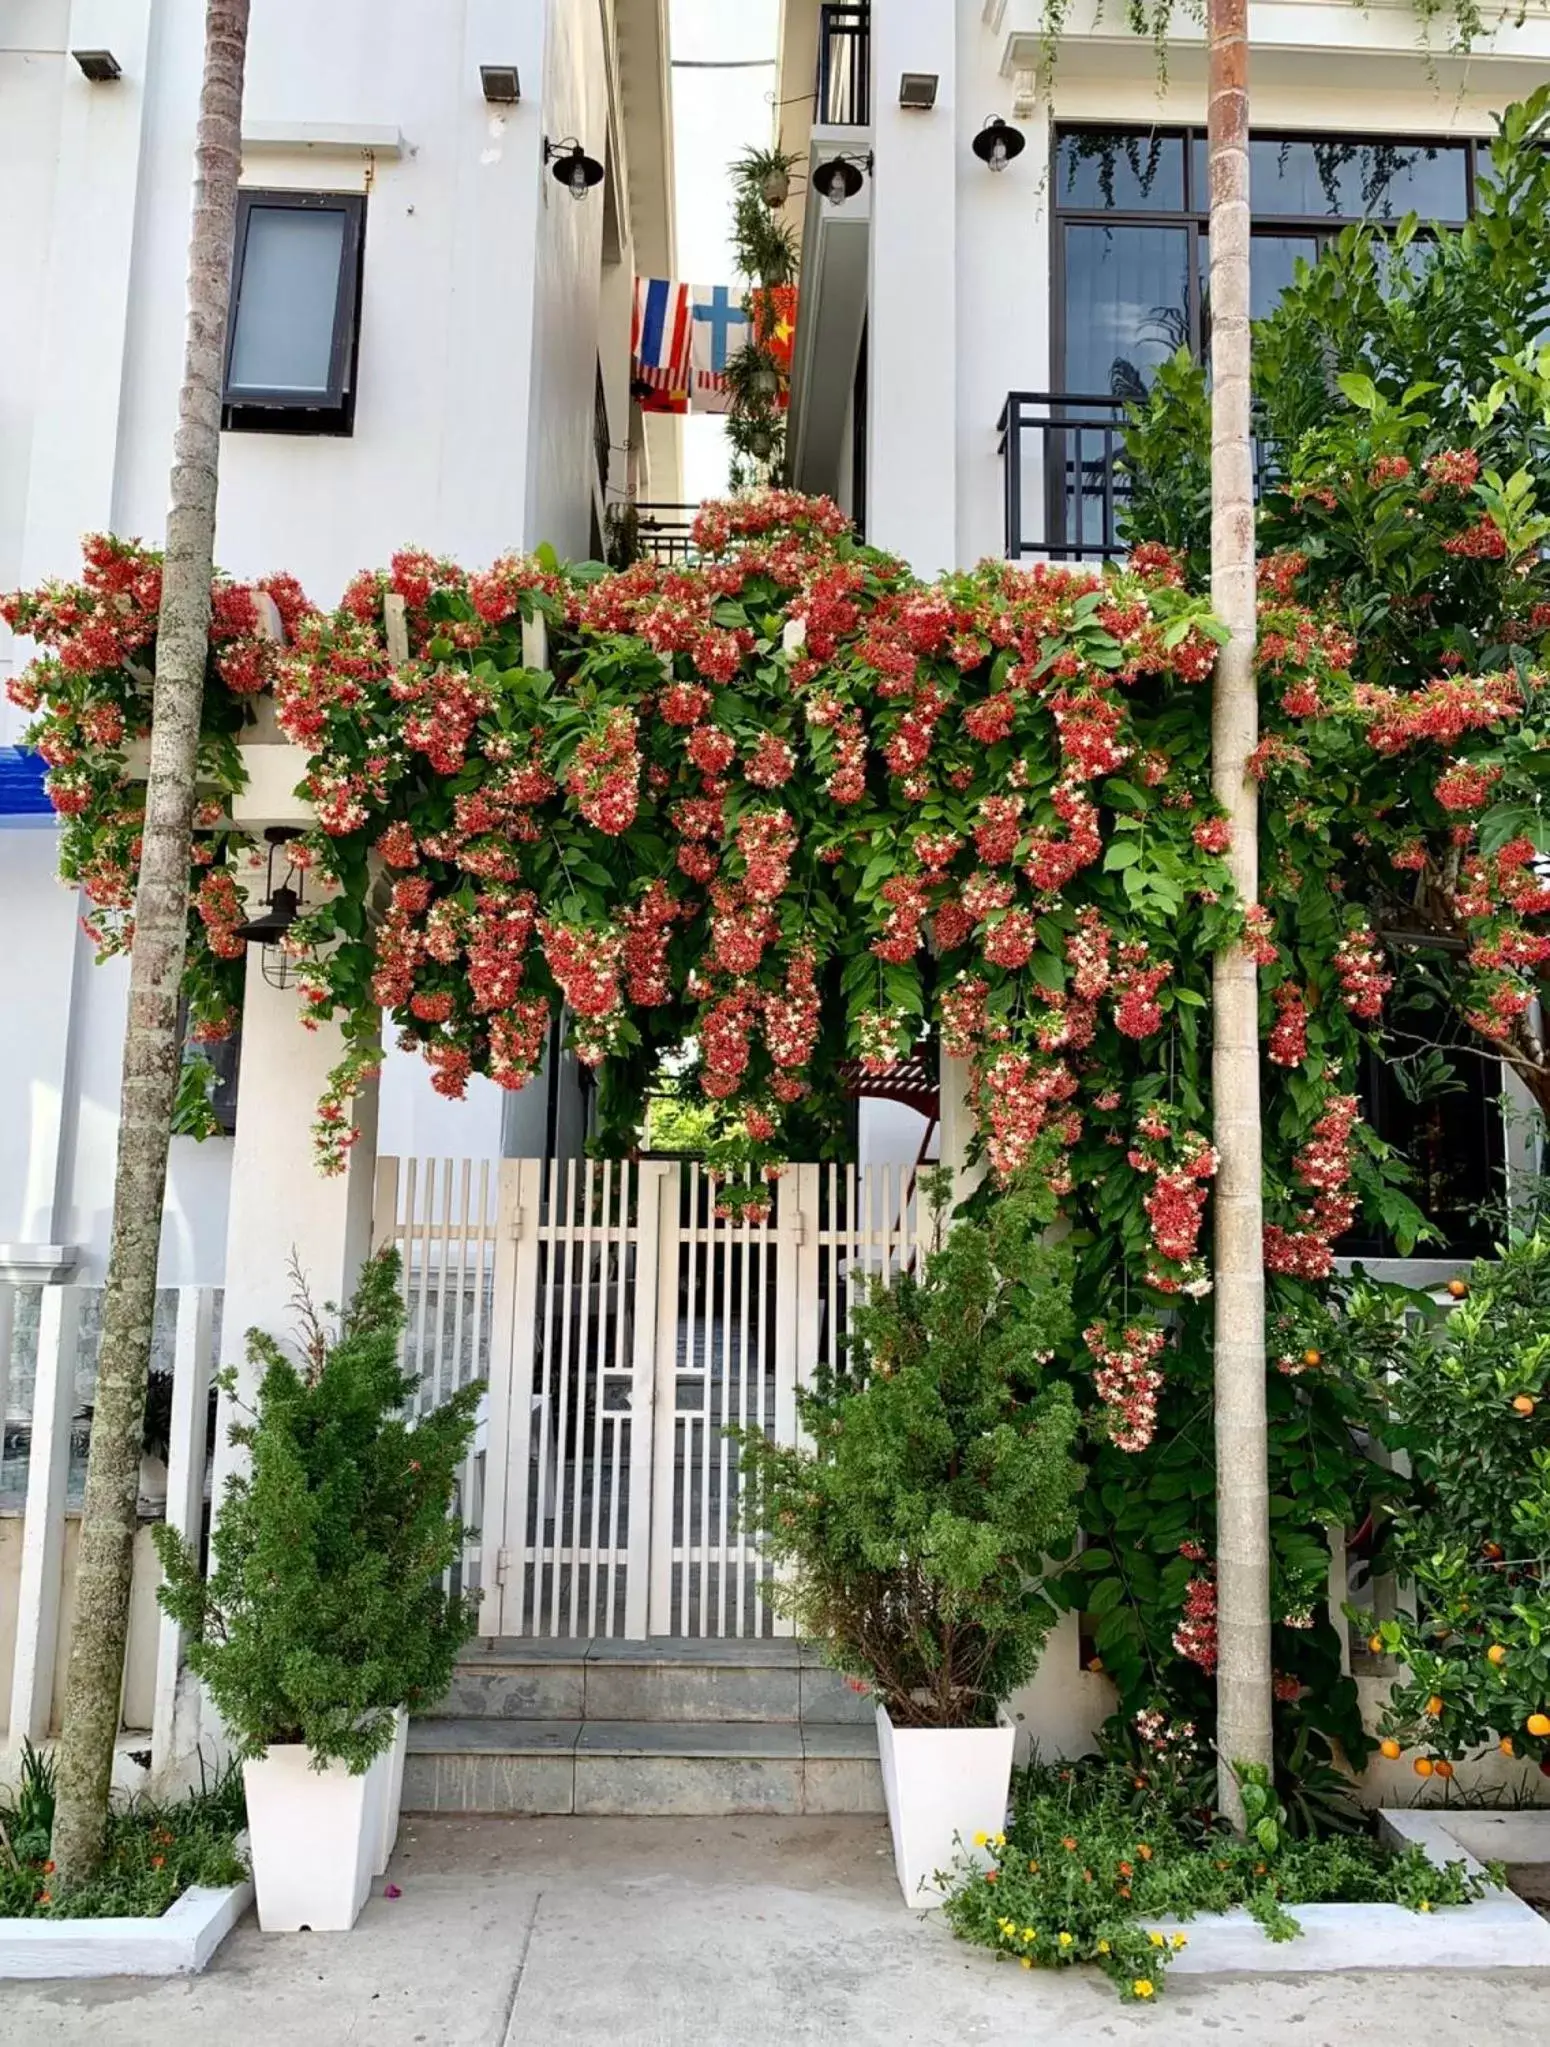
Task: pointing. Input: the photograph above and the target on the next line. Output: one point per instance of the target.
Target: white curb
(179, 1943)
(1498, 1931)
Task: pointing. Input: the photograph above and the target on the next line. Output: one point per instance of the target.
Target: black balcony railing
(664, 533)
(1064, 477)
(844, 67)
(1064, 485)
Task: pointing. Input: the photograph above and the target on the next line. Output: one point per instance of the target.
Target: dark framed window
(1131, 258)
(294, 330)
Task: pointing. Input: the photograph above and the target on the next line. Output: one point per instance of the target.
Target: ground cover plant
(1095, 1855)
(155, 1849)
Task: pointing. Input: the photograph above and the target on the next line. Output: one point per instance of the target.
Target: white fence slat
(654, 1434)
(43, 1532)
(175, 1713)
(503, 1608)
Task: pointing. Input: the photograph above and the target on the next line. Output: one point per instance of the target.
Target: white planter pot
(387, 1774)
(943, 1785)
(313, 1837)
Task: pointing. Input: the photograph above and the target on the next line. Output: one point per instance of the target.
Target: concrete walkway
(707, 1933)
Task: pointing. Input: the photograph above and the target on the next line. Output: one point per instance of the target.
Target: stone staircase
(665, 1726)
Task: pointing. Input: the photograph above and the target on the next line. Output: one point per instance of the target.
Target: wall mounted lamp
(998, 142)
(500, 84)
(571, 165)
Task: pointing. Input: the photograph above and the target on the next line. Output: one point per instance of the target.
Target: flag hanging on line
(683, 336)
(660, 345)
(721, 329)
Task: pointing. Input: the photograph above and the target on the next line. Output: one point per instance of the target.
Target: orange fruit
(1443, 1767)
(1496, 1654)
(1434, 1706)
(1524, 1403)
(1422, 1766)
(1312, 1357)
(1375, 1644)
(1492, 1551)
(1458, 1288)
(1538, 1723)
(1390, 1748)
(1505, 1745)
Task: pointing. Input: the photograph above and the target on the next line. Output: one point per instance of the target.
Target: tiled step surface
(781, 1682)
(692, 1768)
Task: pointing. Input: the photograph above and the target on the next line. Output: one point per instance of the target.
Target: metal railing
(1063, 493)
(665, 533)
(844, 67)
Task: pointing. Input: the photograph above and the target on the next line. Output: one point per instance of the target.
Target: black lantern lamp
(998, 142)
(569, 162)
(840, 178)
(282, 906)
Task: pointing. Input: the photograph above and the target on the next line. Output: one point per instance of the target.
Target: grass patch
(155, 1851)
(1090, 1862)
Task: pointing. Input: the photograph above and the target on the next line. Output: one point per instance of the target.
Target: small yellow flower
(1103, 1947)
(1142, 1986)
(1027, 1961)
(1180, 1940)
(1030, 1933)
(999, 1840)
(981, 1840)
(1065, 1939)
(1425, 1905)
(1157, 1940)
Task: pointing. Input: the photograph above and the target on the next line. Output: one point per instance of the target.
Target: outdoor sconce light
(100, 66)
(576, 171)
(282, 906)
(917, 91)
(500, 84)
(998, 142)
(840, 178)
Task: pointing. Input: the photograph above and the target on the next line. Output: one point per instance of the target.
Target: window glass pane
(285, 308)
(1358, 180)
(1127, 305)
(1273, 266)
(1345, 179)
(1119, 172)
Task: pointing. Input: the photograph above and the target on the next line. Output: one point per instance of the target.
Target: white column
(43, 1534)
(912, 490)
(175, 1717)
(280, 1202)
(957, 1109)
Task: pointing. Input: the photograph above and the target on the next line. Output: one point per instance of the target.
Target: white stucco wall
(960, 258)
(483, 310)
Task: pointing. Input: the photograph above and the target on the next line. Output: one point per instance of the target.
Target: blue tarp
(21, 784)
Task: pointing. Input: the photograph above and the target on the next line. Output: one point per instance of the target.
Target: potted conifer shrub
(911, 1536)
(324, 1618)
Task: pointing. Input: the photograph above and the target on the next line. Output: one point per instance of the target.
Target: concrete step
(691, 1768)
(780, 1682)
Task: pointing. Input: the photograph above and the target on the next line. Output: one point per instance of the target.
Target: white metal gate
(621, 1326)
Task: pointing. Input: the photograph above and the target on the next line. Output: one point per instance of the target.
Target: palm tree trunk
(1243, 1528)
(152, 1053)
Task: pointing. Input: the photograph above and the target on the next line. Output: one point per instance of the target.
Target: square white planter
(943, 1785)
(315, 1836)
(179, 1943)
(388, 1781)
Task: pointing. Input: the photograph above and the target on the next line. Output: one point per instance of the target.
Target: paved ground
(707, 1933)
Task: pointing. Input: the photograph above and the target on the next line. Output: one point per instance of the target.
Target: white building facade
(489, 409)
(477, 401)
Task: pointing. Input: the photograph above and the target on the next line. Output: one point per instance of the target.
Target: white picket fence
(47, 1364)
(621, 1326)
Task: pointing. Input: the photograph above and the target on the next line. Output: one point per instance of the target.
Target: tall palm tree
(152, 1053)
(1243, 1525)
